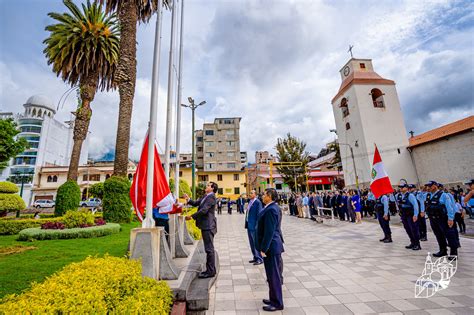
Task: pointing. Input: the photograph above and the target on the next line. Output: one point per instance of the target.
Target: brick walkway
(340, 269)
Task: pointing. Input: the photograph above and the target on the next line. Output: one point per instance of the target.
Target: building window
(209, 166)
(230, 143)
(199, 139)
(199, 149)
(180, 173)
(362, 65)
(327, 186)
(203, 178)
(55, 179)
(209, 132)
(210, 154)
(50, 179)
(230, 132)
(107, 176)
(237, 190)
(278, 186)
(236, 176)
(228, 121)
(84, 178)
(230, 154)
(209, 143)
(220, 191)
(94, 177)
(348, 126)
(219, 177)
(230, 165)
(377, 98)
(344, 107)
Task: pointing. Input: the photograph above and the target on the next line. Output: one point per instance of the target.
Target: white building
(50, 142)
(367, 112)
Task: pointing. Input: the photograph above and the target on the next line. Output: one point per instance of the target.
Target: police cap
(431, 183)
(469, 182)
(411, 186)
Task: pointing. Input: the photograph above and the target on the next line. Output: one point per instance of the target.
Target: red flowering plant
(53, 226)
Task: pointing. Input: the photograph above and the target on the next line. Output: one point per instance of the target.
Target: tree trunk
(126, 77)
(88, 89)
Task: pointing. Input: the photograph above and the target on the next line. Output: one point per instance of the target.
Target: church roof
(361, 77)
(443, 131)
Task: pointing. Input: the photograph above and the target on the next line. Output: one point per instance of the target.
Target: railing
(321, 215)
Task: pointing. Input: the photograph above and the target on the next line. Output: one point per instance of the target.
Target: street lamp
(193, 107)
(352, 157)
(23, 173)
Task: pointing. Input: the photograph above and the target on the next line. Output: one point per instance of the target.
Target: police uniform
(408, 206)
(439, 210)
(381, 210)
(421, 197)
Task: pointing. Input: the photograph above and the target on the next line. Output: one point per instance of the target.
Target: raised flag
(162, 197)
(380, 184)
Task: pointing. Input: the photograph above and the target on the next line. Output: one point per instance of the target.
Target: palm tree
(129, 13)
(83, 48)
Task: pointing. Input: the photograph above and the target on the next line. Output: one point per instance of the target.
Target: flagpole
(155, 80)
(178, 105)
(170, 93)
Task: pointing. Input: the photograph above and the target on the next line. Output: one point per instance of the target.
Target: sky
(274, 63)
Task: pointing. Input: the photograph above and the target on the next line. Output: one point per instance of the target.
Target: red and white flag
(380, 184)
(162, 196)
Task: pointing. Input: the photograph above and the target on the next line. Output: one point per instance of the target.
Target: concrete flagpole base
(187, 238)
(168, 270)
(180, 249)
(145, 245)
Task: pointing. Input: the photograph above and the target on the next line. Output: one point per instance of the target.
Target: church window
(55, 179)
(377, 98)
(362, 65)
(348, 126)
(344, 107)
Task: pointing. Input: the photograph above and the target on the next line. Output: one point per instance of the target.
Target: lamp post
(23, 173)
(352, 157)
(193, 107)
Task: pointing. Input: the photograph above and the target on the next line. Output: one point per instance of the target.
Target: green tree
(183, 187)
(9, 145)
(9, 199)
(200, 190)
(83, 48)
(292, 149)
(97, 190)
(129, 13)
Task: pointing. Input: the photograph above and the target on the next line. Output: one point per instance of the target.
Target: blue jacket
(252, 214)
(269, 239)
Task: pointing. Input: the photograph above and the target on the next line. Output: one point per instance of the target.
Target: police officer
(441, 212)
(409, 215)
(383, 215)
(420, 197)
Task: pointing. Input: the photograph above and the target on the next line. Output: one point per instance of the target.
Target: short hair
(272, 193)
(214, 186)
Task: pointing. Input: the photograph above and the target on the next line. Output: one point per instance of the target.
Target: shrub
(10, 227)
(99, 221)
(108, 285)
(97, 190)
(74, 219)
(11, 202)
(8, 188)
(116, 203)
(68, 197)
(87, 232)
(52, 226)
(194, 231)
(183, 187)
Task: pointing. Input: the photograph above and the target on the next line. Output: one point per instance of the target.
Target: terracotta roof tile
(361, 77)
(443, 131)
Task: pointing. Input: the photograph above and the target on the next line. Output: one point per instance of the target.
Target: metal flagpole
(155, 79)
(178, 104)
(169, 114)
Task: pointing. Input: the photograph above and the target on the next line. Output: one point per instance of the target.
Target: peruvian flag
(162, 196)
(380, 184)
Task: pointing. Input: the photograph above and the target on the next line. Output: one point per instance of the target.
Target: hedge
(10, 227)
(108, 285)
(75, 219)
(67, 198)
(194, 231)
(8, 188)
(30, 216)
(117, 206)
(11, 202)
(89, 232)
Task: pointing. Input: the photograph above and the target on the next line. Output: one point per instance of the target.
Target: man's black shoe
(388, 240)
(383, 239)
(252, 261)
(453, 252)
(416, 247)
(267, 302)
(204, 275)
(410, 246)
(440, 254)
(258, 263)
(271, 308)
(423, 239)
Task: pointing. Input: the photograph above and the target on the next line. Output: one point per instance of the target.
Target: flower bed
(54, 234)
(10, 227)
(108, 285)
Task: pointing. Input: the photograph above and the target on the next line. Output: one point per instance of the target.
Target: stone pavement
(341, 269)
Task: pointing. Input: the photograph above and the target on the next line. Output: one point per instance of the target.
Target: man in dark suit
(240, 204)
(270, 245)
(206, 222)
(254, 208)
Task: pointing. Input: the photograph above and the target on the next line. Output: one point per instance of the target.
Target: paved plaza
(341, 269)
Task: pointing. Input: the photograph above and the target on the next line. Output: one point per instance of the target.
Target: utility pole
(193, 107)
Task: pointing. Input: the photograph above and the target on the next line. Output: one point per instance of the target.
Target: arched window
(377, 98)
(55, 179)
(348, 126)
(107, 176)
(49, 114)
(34, 112)
(344, 107)
(50, 179)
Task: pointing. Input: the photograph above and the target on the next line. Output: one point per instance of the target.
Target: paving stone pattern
(341, 269)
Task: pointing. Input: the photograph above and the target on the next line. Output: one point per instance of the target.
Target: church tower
(367, 112)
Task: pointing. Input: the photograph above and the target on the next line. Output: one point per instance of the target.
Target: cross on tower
(350, 50)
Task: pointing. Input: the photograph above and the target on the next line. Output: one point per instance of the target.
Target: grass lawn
(17, 271)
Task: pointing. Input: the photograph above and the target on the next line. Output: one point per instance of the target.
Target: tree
(129, 13)
(9, 146)
(83, 48)
(336, 161)
(183, 187)
(97, 190)
(9, 199)
(292, 149)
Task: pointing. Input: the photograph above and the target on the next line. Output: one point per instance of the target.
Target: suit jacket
(269, 239)
(252, 214)
(205, 216)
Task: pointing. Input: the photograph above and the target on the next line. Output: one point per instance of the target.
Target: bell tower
(367, 112)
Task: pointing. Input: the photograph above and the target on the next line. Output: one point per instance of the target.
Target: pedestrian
(219, 206)
(355, 201)
(409, 211)
(383, 215)
(229, 206)
(441, 214)
(253, 209)
(459, 214)
(350, 208)
(240, 204)
(305, 206)
(270, 244)
(342, 203)
(299, 205)
(311, 206)
(292, 204)
(207, 223)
